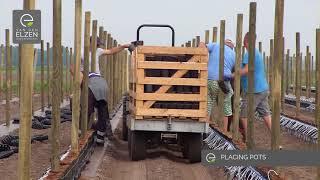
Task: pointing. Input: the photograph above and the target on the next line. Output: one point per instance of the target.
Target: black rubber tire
(129, 142)
(137, 145)
(194, 146)
(184, 144)
(124, 119)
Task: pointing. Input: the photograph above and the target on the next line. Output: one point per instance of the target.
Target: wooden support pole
(283, 74)
(105, 62)
(307, 72)
(221, 73)
(10, 73)
(267, 68)
(94, 45)
(271, 72)
(278, 55)
(206, 36)
(42, 75)
(260, 47)
(67, 72)
(84, 92)
(76, 83)
(19, 72)
(236, 101)
(312, 72)
(115, 78)
(197, 41)
(71, 79)
(35, 61)
(288, 71)
(114, 102)
(298, 74)
(24, 157)
(317, 114)
(214, 34)
(8, 87)
(100, 32)
(193, 42)
(1, 66)
(250, 93)
(48, 75)
(294, 70)
(265, 63)
(110, 71)
(56, 83)
(61, 74)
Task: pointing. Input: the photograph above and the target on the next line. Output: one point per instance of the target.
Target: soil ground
(15, 108)
(161, 164)
(40, 155)
(40, 151)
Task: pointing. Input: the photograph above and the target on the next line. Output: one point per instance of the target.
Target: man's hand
(126, 45)
(202, 45)
(228, 77)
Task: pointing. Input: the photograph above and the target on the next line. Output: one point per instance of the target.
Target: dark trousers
(103, 125)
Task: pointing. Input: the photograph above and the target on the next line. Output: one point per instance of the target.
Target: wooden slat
(170, 97)
(173, 81)
(140, 74)
(172, 65)
(171, 50)
(171, 112)
(204, 89)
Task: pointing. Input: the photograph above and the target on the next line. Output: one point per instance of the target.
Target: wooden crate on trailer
(168, 82)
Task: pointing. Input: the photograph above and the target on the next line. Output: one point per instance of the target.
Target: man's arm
(114, 50)
(243, 71)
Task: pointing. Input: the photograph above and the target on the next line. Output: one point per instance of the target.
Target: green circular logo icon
(210, 158)
(26, 20)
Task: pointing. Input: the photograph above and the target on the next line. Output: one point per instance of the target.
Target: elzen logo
(26, 26)
(26, 20)
(211, 158)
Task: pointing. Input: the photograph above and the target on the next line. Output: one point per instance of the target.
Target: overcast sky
(188, 17)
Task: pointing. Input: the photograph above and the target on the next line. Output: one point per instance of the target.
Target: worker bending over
(97, 95)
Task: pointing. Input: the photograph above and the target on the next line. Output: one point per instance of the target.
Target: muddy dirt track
(162, 164)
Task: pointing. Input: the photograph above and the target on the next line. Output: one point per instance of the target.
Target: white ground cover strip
(299, 129)
(217, 142)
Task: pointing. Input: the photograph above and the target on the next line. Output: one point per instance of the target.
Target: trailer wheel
(124, 128)
(183, 142)
(193, 146)
(124, 118)
(137, 149)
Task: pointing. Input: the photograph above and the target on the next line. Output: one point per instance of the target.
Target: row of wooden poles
(7, 87)
(282, 70)
(114, 69)
(289, 66)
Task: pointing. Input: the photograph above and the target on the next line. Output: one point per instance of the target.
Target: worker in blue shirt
(213, 78)
(261, 88)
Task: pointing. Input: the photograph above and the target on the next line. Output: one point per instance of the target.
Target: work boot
(100, 138)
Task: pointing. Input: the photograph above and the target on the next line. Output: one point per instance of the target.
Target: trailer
(167, 98)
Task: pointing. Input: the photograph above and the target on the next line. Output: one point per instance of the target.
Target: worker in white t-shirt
(97, 95)
(101, 51)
